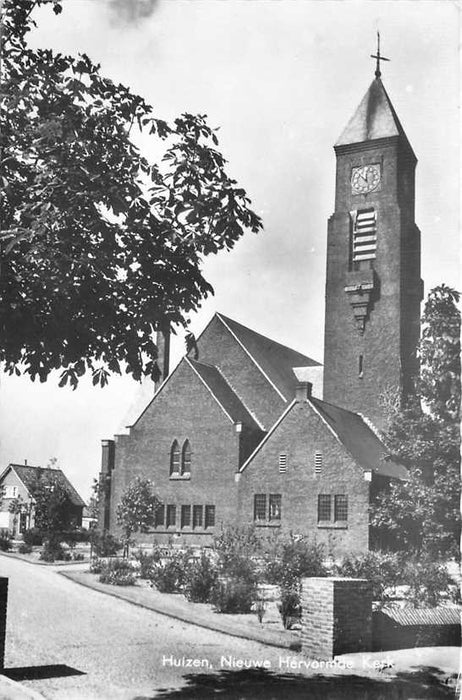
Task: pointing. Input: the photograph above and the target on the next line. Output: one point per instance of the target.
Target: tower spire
(378, 57)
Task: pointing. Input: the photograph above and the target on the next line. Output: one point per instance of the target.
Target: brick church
(250, 431)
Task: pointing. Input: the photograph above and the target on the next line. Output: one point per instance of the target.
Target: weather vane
(378, 57)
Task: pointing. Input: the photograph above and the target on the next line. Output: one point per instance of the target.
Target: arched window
(186, 458)
(175, 458)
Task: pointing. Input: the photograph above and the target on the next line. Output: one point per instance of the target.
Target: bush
(202, 577)
(233, 596)
(33, 536)
(5, 541)
(382, 568)
(237, 546)
(290, 557)
(429, 583)
(96, 566)
(77, 556)
(24, 548)
(290, 608)
(118, 572)
(169, 576)
(147, 562)
(53, 550)
(104, 544)
(72, 537)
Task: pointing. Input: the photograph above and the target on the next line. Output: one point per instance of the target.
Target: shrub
(169, 576)
(147, 562)
(290, 608)
(72, 537)
(24, 548)
(382, 568)
(97, 565)
(5, 541)
(290, 557)
(429, 583)
(233, 596)
(77, 556)
(33, 536)
(202, 576)
(235, 547)
(117, 572)
(104, 544)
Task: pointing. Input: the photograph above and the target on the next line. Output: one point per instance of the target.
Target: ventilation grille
(364, 235)
(282, 463)
(317, 462)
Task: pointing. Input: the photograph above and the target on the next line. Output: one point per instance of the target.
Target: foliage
(24, 548)
(234, 595)
(202, 576)
(33, 536)
(170, 575)
(5, 541)
(53, 550)
(96, 565)
(72, 537)
(383, 569)
(290, 557)
(290, 607)
(137, 509)
(78, 556)
(100, 246)
(260, 610)
(147, 561)
(423, 513)
(118, 572)
(429, 583)
(104, 544)
(52, 507)
(237, 550)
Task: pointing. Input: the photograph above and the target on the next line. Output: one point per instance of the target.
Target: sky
(281, 79)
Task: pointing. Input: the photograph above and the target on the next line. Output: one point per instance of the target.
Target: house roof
(275, 360)
(224, 394)
(375, 118)
(410, 617)
(28, 475)
(360, 441)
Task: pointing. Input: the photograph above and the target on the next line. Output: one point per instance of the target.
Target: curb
(23, 557)
(16, 691)
(240, 632)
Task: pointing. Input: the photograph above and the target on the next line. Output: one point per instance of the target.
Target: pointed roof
(224, 394)
(29, 475)
(276, 361)
(375, 118)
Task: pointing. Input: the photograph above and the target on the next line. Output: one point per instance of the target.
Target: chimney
(107, 456)
(163, 353)
(303, 391)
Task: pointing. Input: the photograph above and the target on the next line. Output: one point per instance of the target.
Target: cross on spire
(378, 57)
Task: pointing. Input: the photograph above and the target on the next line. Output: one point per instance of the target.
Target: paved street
(71, 642)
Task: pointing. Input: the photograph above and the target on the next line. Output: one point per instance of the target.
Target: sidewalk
(12, 690)
(200, 614)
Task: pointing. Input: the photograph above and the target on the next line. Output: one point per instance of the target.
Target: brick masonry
(336, 617)
(3, 610)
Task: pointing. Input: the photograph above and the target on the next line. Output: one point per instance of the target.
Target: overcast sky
(281, 79)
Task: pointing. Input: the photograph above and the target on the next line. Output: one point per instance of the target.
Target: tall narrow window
(209, 516)
(360, 366)
(159, 518)
(282, 463)
(340, 507)
(324, 507)
(197, 516)
(171, 516)
(175, 458)
(364, 240)
(259, 506)
(274, 510)
(317, 462)
(185, 516)
(186, 458)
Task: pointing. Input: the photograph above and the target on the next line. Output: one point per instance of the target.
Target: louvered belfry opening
(364, 241)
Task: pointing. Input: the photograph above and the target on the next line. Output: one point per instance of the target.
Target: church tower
(373, 287)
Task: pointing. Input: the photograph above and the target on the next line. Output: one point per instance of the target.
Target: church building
(247, 430)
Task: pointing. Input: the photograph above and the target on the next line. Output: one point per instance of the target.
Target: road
(72, 643)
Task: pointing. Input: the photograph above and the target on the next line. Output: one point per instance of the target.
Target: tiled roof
(410, 617)
(375, 118)
(224, 394)
(28, 475)
(277, 361)
(360, 441)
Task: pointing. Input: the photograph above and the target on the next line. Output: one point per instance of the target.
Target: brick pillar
(336, 616)
(3, 602)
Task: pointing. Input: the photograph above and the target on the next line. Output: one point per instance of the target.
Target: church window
(159, 517)
(259, 506)
(324, 507)
(209, 516)
(171, 516)
(186, 458)
(340, 507)
(175, 458)
(197, 516)
(275, 506)
(364, 238)
(282, 463)
(317, 462)
(185, 516)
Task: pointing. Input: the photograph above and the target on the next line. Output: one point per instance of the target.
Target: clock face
(365, 179)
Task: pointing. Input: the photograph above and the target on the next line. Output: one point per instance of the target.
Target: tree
(137, 510)
(423, 512)
(51, 505)
(101, 247)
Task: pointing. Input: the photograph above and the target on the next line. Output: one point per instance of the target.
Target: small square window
(340, 507)
(209, 516)
(171, 515)
(197, 516)
(324, 507)
(275, 506)
(185, 516)
(259, 506)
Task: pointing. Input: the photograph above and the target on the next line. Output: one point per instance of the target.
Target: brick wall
(3, 609)
(336, 616)
(300, 435)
